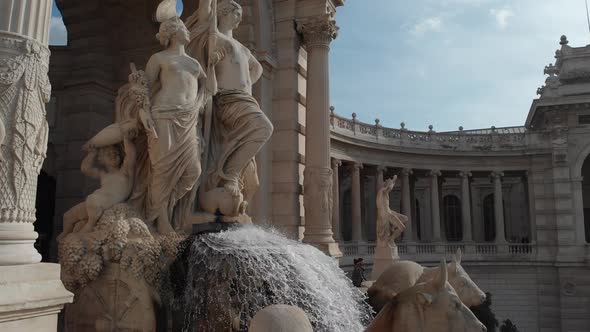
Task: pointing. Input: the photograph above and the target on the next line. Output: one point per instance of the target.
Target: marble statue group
(181, 151)
(187, 128)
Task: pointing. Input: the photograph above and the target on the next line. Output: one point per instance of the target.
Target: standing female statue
(176, 83)
(239, 128)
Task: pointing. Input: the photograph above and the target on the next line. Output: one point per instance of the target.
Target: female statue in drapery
(177, 96)
(236, 128)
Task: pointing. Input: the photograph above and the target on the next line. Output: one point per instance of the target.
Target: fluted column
(317, 33)
(407, 202)
(435, 204)
(498, 206)
(336, 163)
(356, 202)
(24, 62)
(466, 205)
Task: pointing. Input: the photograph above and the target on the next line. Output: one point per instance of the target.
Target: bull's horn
(457, 256)
(442, 275)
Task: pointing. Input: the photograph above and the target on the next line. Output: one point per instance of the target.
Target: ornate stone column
(317, 33)
(31, 292)
(407, 202)
(466, 205)
(434, 204)
(336, 163)
(356, 202)
(24, 90)
(498, 206)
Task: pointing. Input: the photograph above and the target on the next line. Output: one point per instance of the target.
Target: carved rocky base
(31, 297)
(384, 256)
(115, 301)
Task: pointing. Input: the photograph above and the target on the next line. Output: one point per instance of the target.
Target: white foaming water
(249, 268)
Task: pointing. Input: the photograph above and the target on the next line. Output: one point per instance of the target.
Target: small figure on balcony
(358, 274)
(390, 225)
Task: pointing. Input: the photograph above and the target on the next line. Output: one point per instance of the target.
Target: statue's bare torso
(178, 74)
(233, 70)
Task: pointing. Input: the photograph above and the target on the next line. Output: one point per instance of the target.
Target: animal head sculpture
(470, 294)
(433, 306)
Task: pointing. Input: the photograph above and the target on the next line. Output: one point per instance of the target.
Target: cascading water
(232, 275)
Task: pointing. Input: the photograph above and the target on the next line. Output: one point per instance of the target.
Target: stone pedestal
(385, 255)
(31, 297)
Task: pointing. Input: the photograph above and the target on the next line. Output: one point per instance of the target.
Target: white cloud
(58, 35)
(502, 15)
(431, 24)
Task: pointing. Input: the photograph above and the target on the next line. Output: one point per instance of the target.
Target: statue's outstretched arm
(204, 10)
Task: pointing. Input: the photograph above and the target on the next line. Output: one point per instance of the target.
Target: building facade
(515, 200)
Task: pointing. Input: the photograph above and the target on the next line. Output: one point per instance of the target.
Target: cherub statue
(390, 224)
(116, 175)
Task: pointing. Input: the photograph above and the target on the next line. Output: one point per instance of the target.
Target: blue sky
(475, 63)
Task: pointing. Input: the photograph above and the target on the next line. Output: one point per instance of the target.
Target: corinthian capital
(336, 163)
(318, 30)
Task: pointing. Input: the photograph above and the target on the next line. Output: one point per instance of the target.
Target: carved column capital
(434, 172)
(318, 30)
(407, 171)
(465, 174)
(356, 166)
(381, 168)
(497, 175)
(336, 163)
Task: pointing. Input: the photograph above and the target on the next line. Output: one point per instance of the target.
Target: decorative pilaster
(317, 33)
(31, 292)
(356, 202)
(435, 204)
(498, 206)
(407, 202)
(466, 205)
(336, 163)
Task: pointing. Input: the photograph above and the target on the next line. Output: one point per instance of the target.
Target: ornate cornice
(318, 30)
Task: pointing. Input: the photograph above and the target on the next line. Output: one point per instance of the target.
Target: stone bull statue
(432, 306)
(404, 274)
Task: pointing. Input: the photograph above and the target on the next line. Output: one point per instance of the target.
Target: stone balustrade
(494, 139)
(432, 252)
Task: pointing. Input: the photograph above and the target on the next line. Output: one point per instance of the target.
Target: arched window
(586, 196)
(489, 223)
(452, 218)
